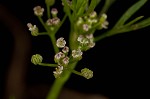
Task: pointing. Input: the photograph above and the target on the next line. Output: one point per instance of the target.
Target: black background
(120, 63)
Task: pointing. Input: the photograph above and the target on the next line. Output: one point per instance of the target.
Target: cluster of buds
(33, 29)
(87, 22)
(87, 73)
(86, 41)
(90, 21)
(50, 2)
(36, 59)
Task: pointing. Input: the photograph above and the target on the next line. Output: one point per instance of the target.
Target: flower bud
(87, 73)
(54, 12)
(65, 49)
(93, 14)
(65, 60)
(58, 56)
(50, 2)
(36, 59)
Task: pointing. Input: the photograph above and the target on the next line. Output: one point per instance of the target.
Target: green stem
(106, 6)
(42, 22)
(104, 35)
(75, 72)
(43, 33)
(59, 82)
(53, 40)
(63, 20)
(51, 35)
(48, 11)
(47, 64)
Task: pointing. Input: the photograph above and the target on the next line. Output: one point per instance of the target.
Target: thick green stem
(59, 82)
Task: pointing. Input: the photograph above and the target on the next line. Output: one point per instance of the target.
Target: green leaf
(130, 12)
(106, 6)
(82, 7)
(137, 26)
(67, 10)
(144, 23)
(79, 4)
(133, 21)
(92, 6)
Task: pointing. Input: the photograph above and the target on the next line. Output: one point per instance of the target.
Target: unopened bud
(36, 59)
(87, 73)
(50, 2)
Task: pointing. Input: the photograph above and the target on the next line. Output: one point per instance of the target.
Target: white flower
(86, 41)
(103, 21)
(33, 29)
(105, 24)
(93, 14)
(65, 60)
(38, 11)
(56, 21)
(91, 44)
(54, 11)
(79, 21)
(59, 55)
(58, 71)
(77, 53)
(86, 27)
(89, 36)
(104, 16)
(49, 22)
(65, 49)
(61, 42)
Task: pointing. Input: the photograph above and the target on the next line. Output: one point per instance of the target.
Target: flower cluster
(51, 23)
(61, 57)
(86, 41)
(54, 21)
(92, 21)
(77, 54)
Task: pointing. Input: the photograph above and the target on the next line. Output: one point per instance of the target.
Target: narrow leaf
(130, 12)
(92, 5)
(139, 25)
(106, 6)
(133, 21)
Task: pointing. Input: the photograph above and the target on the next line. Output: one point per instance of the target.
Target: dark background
(120, 63)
